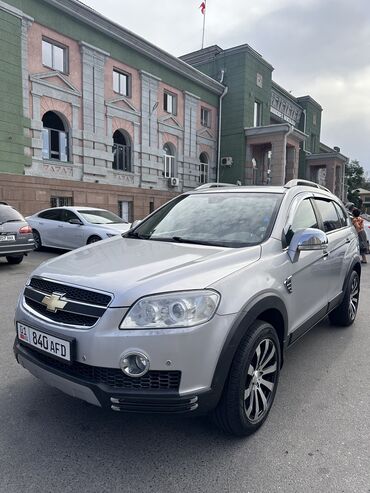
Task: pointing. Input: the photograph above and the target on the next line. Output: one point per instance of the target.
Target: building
(365, 199)
(268, 136)
(91, 114)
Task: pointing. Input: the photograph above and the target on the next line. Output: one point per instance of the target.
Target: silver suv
(191, 311)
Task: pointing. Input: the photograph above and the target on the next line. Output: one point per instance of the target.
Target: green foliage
(355, 179)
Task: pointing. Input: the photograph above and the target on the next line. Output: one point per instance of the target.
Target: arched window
(203, 176)
(121, 151)
(54, 137)
(169, 160)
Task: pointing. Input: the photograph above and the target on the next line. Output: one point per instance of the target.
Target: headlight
(171, 310)
(111, 234)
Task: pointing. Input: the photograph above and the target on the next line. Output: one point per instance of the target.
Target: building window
(314, 119)
(122, 83)
(205, 117)
(121, 152)
(61, 201)
(203, 176)
(151, 205)
(125, 210)
(170, 103)
(169, 161)
(257, 116)
(54, 56)
(54, 138)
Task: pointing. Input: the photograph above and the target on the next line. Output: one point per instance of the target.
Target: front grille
(82, 308)
(62, 317)
(113, 377)
(75, 294)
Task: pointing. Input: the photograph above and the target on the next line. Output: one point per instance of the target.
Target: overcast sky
(317, 47)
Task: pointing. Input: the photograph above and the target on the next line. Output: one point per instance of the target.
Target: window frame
(315, 199)
(257, 115)
(167, 94)
(61, 201)
(129, 82)
(315, 212)
(65, 49)
(205, 122)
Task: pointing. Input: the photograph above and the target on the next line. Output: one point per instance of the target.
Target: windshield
(220, 219)
(8, 214)
(100, 217)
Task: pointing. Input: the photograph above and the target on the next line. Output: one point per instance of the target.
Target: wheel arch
(268, 308)
(94, 235)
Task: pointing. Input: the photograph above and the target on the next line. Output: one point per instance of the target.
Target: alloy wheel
(354, 297)
(261, 378)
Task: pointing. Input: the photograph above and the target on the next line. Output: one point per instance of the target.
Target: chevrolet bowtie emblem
(53, 302)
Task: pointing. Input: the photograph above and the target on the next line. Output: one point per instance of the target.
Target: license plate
(46, 343)
(7, 237)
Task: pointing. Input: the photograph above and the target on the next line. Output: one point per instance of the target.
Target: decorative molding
(41, 78)
(171, 121)
(9, 9)
(206, 134)
(83, 44)
(112, 103)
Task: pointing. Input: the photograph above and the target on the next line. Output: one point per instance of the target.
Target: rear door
(342, 241)
(69, 235)
(46, 224)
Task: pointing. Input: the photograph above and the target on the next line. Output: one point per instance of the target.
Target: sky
(317, 47)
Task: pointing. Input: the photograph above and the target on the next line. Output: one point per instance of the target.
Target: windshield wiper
(179, 239)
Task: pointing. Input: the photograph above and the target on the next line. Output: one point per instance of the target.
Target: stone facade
(87, 110)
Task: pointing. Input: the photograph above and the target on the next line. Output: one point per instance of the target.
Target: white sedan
(73, 227)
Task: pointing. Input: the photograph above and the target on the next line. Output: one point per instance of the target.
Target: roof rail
(215, 185)
(304, 183)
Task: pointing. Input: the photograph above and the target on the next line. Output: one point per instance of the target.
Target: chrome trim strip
(68, 300)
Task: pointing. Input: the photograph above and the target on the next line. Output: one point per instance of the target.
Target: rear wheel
(345, 313)
(15, 260)
(252, 382)
(93, 239)
(37, 239)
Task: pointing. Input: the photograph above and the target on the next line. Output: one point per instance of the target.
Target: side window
(342, 215)
(303, 218)
(67, 215)
(51, 214)
(328, 215)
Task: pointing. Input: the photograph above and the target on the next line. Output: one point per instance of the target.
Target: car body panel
(22, 243)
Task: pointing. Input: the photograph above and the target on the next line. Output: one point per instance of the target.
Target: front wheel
(345, 313)
(252, 382)
(93, 239)
(15, 260)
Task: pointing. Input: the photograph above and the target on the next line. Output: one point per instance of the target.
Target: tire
(15, 260)
(248, 396)
(345, 313)
(93, 239)
(37, 239)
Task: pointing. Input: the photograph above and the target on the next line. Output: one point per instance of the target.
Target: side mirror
(75, 221)
(307, 240)
(136, 223)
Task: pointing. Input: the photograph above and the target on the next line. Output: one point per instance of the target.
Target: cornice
(86, 15)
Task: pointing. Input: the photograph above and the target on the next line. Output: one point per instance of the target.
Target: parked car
(192, 310)
(73, 227)
(16, 238)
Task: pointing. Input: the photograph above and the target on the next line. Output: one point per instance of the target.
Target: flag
(202, 7)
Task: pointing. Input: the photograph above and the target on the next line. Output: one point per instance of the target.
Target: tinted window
(53, 214)
(303, 218)
(231, 219)
(342, 215)
(100, 216)
(328, 214)
(8, 214)
(67, 215)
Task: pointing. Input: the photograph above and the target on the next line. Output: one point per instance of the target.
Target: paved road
(317, 438)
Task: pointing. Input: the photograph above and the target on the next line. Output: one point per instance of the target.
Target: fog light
(134, 364)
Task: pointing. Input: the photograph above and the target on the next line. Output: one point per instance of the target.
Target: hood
(114, 227)
(132, 268)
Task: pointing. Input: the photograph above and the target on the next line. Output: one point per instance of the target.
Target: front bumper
(103, 395)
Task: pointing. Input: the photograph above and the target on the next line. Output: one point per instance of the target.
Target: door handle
(348, 240)
(325, 254)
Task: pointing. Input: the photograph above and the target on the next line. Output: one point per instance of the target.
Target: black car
(16, 238)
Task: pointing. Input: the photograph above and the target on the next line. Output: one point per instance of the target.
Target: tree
(355, 179)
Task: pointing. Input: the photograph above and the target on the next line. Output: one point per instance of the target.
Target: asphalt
(316, 439)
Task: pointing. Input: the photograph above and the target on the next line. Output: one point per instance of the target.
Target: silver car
(16, 238)
(192, 310)
(73, 227)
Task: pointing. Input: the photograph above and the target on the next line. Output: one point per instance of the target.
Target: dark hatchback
(16, 238)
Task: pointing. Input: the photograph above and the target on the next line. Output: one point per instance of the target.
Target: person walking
(358, 223)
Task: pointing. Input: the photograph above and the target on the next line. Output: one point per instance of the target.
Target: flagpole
(204, 22)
